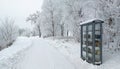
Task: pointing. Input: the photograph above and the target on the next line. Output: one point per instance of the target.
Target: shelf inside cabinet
(97, 63)
(97, 39)
(97, 36)
(90, 43)
(97, 32)
(90, 47)
(84, 49)
(97, 52)
(90, 54)
(84, 55)
(97, 59)
(97, 48)
(89, 50)
(84, 45)
(97, 29)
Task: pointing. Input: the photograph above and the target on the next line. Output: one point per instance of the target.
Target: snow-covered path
(38, 53)
(43, 56)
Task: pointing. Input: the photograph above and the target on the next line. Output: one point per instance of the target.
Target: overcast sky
(19, 10)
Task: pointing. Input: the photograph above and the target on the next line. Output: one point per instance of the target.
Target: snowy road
(43, 56)
(36, 53)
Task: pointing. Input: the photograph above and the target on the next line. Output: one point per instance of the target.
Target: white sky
(19, 10)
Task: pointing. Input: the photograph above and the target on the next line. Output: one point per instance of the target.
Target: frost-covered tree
(8, 32)
(111, 14)
(33, 18)
(49, 11)
(21, 31)
(74, 16)
(52, 16)
(63, 18)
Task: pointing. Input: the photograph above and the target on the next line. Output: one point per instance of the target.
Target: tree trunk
(53, 25)
(53, 32)
(67, 33)
(39, 30)
(62, 30)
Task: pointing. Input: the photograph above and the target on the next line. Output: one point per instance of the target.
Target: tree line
(63, 18)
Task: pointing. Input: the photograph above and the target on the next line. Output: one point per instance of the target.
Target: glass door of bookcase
(98, 44)
(90, 43)
(84, 42)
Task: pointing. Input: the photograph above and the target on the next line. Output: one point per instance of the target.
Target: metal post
(101, 42)
(93, 43)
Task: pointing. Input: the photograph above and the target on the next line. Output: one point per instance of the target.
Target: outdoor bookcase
(91, 41)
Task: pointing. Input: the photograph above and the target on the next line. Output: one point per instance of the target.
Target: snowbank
(43, 56)
(51, 54)
(71, 50)
(9, 57)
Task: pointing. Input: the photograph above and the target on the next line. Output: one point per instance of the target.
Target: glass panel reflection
(97, 43)
(84, 42)
(90, 43)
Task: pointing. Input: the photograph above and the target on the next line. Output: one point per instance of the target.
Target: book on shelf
(89, 50)
(86, 36)
(97, 52)
(97, 36)
(97, 43)
(97, 59)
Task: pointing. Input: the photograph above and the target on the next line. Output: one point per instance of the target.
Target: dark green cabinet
(91, 42)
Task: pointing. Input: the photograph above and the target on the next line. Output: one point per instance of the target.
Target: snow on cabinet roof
(91, 20)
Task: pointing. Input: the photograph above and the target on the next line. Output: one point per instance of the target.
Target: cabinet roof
(96, 20)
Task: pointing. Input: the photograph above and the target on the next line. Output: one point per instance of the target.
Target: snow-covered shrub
(27, 33)
(8, 33)
(21, 31)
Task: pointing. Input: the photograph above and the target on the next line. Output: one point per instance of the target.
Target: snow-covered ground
(33, 53)
(71, 49)
(13, 55)
(43, 56)
(39, 53)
